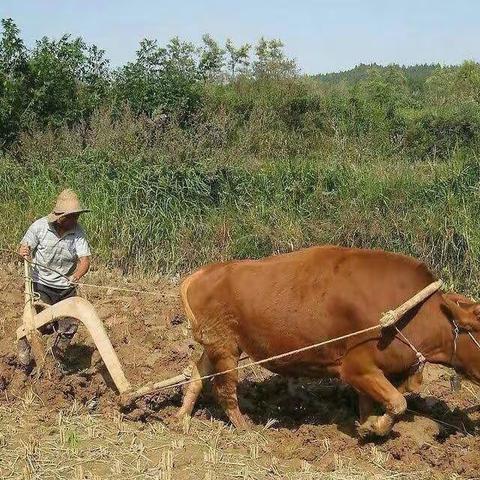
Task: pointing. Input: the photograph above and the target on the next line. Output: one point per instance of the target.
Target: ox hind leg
(199, 369)
(225, 387)
(373, 386)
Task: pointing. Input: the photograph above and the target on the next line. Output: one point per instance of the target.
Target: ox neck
(439, 344)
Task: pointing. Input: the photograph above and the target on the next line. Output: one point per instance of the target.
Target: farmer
(60, 253)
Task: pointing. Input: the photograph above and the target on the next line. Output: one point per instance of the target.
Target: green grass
(153, 210)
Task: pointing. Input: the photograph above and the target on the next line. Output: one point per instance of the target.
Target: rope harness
(474, 340)
(421, 360)
(456, 331)
(387, 320)
(455, 379)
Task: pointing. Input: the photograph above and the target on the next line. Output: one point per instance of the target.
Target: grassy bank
(153, 211)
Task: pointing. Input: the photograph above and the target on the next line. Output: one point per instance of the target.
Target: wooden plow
(75, 307)
(83, 311)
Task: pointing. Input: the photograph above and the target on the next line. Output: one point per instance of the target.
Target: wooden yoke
(393, 316)
(83, 311)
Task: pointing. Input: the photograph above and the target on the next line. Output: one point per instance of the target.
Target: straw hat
(67, 203)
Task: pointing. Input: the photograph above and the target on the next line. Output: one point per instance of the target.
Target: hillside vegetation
(190, 154)
(414, 74)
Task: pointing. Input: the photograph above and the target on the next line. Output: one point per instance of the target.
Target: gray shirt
(58, 253)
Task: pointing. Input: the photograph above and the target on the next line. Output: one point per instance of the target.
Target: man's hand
(82, 268)
(24, 251)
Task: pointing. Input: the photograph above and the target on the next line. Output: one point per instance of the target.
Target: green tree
(93, 87)
(449, 116)
(162, 79)
(15, 82)
(212, 59)
(56, 67)
(271, 61)
(238, 58)
(13, 54)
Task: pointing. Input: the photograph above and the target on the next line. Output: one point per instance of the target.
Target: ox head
(464, 311)
(464, 314)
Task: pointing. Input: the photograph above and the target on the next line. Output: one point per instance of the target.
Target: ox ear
(465, 312)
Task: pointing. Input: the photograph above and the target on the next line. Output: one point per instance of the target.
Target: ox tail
(192, 322)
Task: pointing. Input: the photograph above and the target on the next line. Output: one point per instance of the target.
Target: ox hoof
(183, 413)
(375, 426)
(182, 421)
(366, 429)
(242, 426)
(240, 422)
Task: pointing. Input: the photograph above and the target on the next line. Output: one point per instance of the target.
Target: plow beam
(83, 311)
(131, 397)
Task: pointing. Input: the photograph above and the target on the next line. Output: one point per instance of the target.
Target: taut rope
(387, 320)
(90, 285)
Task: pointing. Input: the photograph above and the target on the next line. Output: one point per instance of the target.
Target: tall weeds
(170, 199)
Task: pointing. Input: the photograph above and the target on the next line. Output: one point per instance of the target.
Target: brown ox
(286, 302)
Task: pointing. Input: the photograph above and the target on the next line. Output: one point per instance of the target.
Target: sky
(322, 35)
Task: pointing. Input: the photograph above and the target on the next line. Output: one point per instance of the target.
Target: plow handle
(28, 312)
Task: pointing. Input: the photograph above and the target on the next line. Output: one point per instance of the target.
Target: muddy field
(68, 425)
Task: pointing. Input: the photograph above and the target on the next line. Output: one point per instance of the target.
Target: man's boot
(24, 356)
(60, 346)
(67, 327)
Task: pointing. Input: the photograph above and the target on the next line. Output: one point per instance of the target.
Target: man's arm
(29, 241)
(83, 265)
(83, 252)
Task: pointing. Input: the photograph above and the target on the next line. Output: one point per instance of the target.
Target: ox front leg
(375, 386)
(225, 387)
